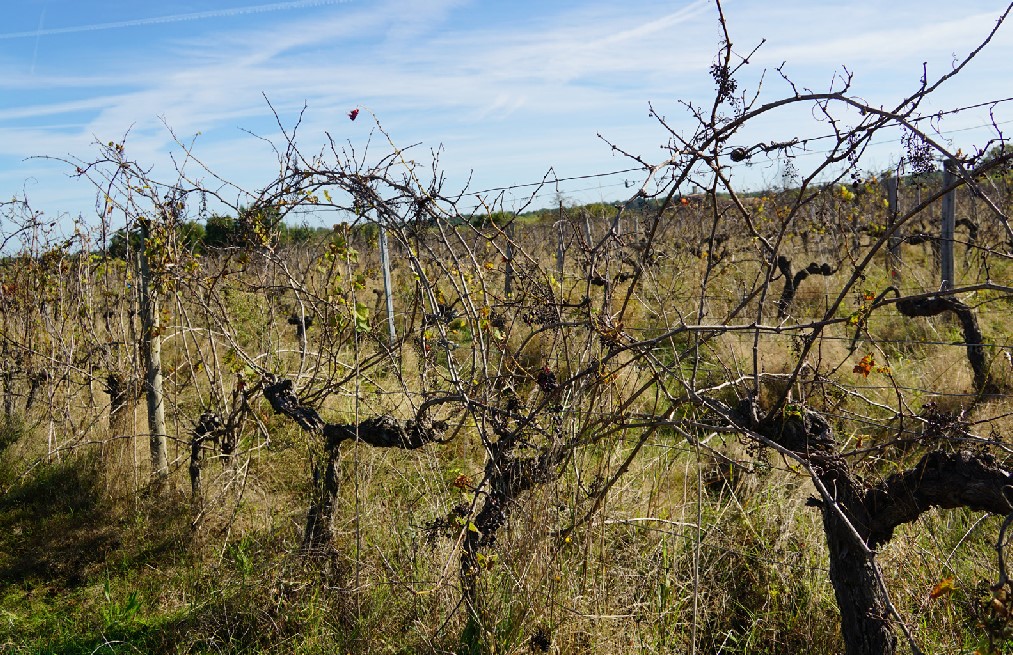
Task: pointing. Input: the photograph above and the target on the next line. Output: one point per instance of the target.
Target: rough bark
(118, 454)
(384, 432)
(208, 428)
(7, 378)
(151, 347)
(301, 323)
(791, 281)
(381, 432)
(318, 534)
(969, 324)
(507, 476)
(122, 394)
(281, 395)
(866, 624)
(35, 382)
(940, 479)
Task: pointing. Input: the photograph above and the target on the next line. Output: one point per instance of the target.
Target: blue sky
(509, 89)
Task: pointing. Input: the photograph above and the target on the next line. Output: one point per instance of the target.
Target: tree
(858, 517)
(220, 231)
(157, 240)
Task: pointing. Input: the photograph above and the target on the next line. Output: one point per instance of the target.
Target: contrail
(35, 53)
(175, 18)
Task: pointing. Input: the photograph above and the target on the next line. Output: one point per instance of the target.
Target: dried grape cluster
(724, 80)
(920, 156)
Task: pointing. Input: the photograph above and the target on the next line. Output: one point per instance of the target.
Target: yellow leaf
(943, 588)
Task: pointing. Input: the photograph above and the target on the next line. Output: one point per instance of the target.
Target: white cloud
(169, 18)
(510, 98)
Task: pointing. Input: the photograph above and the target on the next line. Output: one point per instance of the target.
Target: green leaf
(361, 314)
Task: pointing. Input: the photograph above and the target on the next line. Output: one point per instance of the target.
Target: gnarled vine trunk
(866, 624)
(381, 432)
(857, 519)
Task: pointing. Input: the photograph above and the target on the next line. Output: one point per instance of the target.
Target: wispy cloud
(509, 97)
(173, 18)
(35, 51)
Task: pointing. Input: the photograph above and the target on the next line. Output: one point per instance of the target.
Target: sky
(508, 92)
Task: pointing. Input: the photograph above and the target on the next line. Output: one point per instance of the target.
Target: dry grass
(704, 543)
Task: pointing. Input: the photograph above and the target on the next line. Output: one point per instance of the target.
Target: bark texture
(791, 281)
(380, 432)
(151, 349)
(858, 518)
(968, 323)
(208, 429)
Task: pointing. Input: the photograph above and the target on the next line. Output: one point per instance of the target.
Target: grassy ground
(709, 544)
(83, 574)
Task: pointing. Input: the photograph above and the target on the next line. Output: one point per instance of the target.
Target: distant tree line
(252, 228)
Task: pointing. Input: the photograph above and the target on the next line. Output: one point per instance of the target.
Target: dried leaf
(943, 588)
(865, 366)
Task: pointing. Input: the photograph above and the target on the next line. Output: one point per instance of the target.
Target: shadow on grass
(228, 626)
(60, 538)
(54, 527)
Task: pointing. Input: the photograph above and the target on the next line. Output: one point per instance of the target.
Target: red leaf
(865, 366)
(352, 115)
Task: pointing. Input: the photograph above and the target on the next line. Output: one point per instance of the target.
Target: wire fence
(802, 145)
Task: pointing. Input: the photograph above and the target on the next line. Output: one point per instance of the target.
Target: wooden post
(559, 246)
(151, 346)
(387, 290)
(946, 234)
(560, 252)
(508, 277)
(893, 243)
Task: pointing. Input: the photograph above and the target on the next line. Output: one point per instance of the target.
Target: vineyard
(696, 420)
